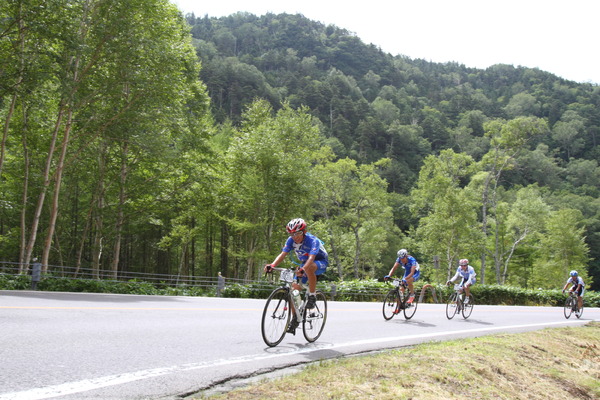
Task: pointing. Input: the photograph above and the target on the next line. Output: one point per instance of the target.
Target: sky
(557, 36)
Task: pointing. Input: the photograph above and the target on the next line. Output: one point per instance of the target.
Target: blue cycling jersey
(410, 261)
(310, 245)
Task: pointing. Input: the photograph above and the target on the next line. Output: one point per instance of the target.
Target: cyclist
(578, 287)
(411, 272)
(467, 273)
(311, 253)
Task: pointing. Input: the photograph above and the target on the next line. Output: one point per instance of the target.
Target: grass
(559, 363)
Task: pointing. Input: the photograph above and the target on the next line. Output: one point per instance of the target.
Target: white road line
(111, 380)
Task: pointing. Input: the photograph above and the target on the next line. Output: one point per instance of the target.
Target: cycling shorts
(415, 276)
(321, 268)
(471, 282)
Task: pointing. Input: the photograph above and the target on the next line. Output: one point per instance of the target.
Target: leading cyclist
(310, 252)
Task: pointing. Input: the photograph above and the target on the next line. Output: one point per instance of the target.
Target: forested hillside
(372, 105)
(125, 150)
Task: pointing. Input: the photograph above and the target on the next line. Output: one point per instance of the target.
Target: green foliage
(374, 150)
(15, 282)
(370, 290)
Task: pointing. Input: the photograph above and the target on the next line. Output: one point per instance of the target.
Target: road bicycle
(572, 306)
(458, 302)
(396, 301)
(282, 315)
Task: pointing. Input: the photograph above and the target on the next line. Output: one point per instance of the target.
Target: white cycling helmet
(402, 253)
(296, 225)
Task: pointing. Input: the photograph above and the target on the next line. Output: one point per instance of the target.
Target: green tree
(268, 179)
(524, 224)
(507, 140)
(562, 248)
(567, 132)
(355, 208)
(448, 225)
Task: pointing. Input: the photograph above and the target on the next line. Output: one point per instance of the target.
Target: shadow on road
(475, 321)
(411, 322)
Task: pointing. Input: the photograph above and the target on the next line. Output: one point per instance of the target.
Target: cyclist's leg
(467, 285)
(580, 298)
(410, 281)
(314, 269)
(411, 287)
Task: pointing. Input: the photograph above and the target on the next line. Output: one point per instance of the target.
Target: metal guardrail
(218, 282)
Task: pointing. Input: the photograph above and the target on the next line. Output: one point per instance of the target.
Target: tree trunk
(55, 197)
(224, 248)
(356, 252)
(120, 212)
(98, 217)
(42, 196)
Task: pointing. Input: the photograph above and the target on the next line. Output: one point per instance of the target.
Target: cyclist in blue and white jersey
(578, 286)
(467, 273)
(411, 272)
(310, 252)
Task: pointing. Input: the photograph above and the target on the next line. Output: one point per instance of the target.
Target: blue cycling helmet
(574, 273)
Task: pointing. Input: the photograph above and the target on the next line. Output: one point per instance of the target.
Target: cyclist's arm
(454, 277)
(393, 268)
(279, 258)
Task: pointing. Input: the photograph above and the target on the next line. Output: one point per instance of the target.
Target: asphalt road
(103, 346)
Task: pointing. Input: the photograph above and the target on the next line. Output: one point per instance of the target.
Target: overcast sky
(561, 37)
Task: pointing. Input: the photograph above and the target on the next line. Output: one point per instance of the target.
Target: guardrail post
(333, 291)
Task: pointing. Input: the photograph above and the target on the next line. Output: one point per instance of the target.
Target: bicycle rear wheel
(276, 317)
(391, 304)
(568, 307)
(315, 318)
(411, 309)
(451, 306)
(467, 306)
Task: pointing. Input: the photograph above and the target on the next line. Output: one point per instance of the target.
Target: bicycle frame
(456, 303)
(280, 306)
(398, 292)
(572, 305)
(287, 278)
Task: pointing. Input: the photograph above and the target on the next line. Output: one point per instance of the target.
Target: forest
(136, 138)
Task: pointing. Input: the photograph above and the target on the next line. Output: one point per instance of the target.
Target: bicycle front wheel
(391, 304)
(451, 306)
(411, 309)
(569, 307)
(276, 317)
(315, 318)
(467, 308)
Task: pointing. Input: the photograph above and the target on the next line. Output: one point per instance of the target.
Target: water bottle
(296, 296)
